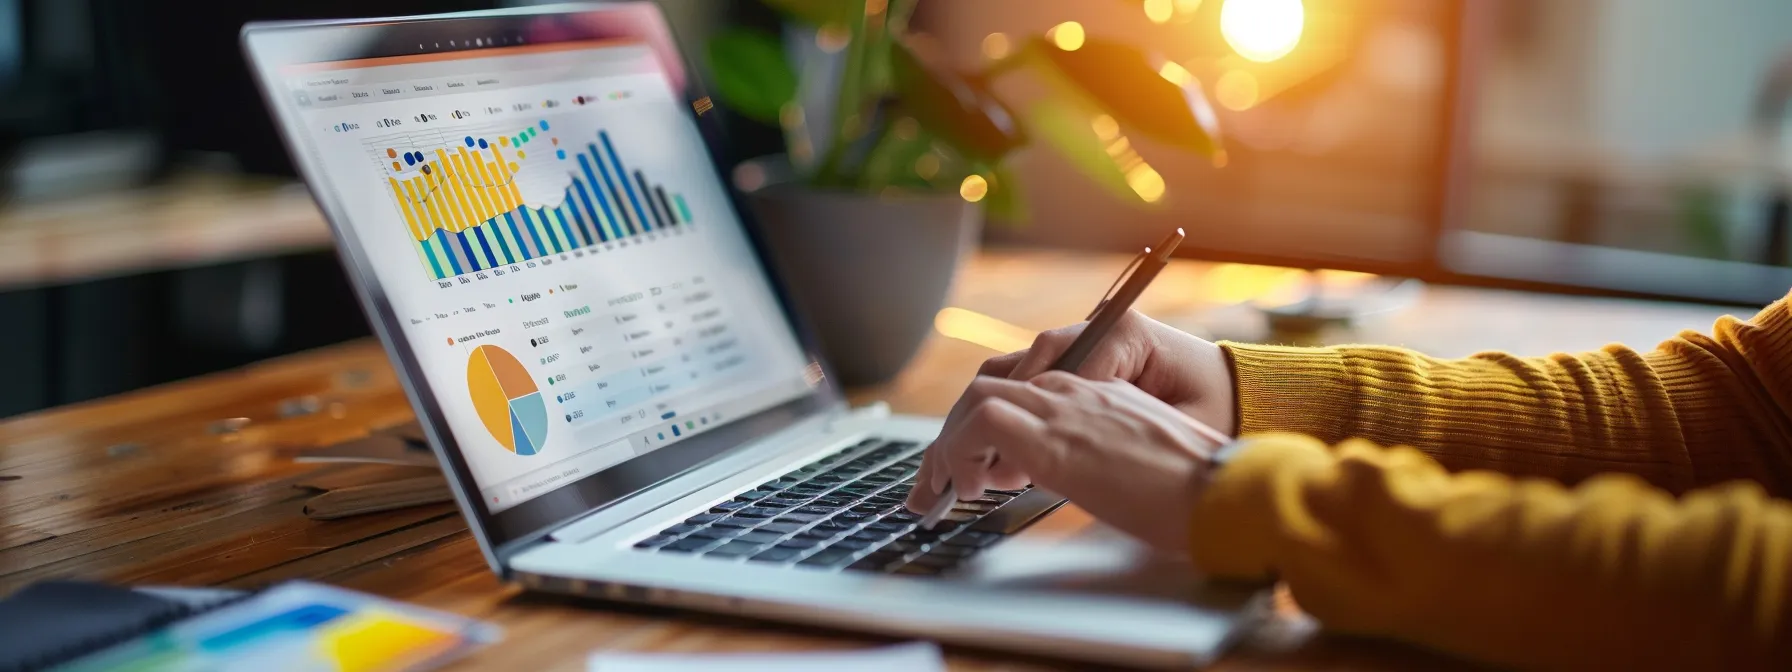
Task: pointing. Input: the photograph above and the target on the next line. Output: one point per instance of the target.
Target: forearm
(1611, 574)
(1695, 411)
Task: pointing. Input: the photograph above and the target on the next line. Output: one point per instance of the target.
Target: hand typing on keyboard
(1125, 456)
(1168, 384)
(842, 511)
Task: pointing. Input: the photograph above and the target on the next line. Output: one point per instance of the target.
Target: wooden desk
(169, 486)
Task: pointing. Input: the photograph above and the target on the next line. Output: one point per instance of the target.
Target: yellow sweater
(1643, 530)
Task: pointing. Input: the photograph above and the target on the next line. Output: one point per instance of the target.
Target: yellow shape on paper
(374, 641)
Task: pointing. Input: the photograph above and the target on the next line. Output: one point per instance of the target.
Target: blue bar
(642, 180)
(569, 213)
(668, 415)
(540, 248)
(498, 235)
(442, 237)
(486, 246)
(675, 431)
(623, 175)
(596, 223)
(522, 244)
(666, 204)
(572, 206)
(545, 228)
(472, 257)
(571, 239)
(617, 223)
(431, 254)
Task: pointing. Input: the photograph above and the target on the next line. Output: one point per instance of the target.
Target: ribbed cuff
(1284, 389)
(1726, 390)
(1238, 519)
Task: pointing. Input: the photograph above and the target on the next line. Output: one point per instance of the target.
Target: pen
(1107, 313)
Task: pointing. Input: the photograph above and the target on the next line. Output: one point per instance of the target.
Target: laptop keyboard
(841, 511)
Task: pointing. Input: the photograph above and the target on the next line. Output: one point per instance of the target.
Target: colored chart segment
(507, 401)
(464, 210)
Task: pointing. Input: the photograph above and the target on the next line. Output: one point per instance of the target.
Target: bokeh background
(152, 230)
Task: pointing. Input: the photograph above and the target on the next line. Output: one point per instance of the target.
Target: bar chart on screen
(464, 193)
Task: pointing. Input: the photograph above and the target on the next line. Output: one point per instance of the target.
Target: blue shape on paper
(297, 619)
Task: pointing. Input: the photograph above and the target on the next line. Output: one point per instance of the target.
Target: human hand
(1179, 369)
(1126, 457)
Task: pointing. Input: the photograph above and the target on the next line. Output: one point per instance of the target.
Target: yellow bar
(424, 226)
(506, 184)
(434, 190)
(404, 207)
(429, 204)
(509, 178)
(491, 186)
(481, 205)
(454, 200)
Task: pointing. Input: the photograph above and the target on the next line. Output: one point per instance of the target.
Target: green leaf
(751, 73)
(1064, 124)
(820, 12)
(1128, 83)
(958, 108)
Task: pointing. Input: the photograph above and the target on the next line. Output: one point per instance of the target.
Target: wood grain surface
(193, 483)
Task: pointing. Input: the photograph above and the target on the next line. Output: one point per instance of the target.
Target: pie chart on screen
(507, 400)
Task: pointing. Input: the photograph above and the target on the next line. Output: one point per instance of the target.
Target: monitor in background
(1633, 146)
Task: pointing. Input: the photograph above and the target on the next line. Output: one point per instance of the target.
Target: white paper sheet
(910, 657)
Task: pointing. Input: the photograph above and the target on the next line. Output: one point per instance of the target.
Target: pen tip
(1179, 231)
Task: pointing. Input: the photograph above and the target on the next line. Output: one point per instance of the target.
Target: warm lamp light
(995, 46)
(1237, 90)
(1146, 182)
(1262, 30)
(1159, 11)
(973, 188)
(1175, 73)
(1067, 35)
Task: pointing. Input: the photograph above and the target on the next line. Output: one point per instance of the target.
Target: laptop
(533, 208)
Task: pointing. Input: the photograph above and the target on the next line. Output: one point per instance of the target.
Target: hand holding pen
(1185, 380)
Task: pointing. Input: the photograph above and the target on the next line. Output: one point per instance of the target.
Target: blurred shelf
(187, 223)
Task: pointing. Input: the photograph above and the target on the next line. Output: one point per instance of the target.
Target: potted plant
(894, 152)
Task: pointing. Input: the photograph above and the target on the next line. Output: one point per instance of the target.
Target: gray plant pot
(870, 272)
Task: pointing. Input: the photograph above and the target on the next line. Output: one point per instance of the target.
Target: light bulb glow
(1159, 11)
(974, 188)
(1177, 74)
(1237, 90)
(1067, 35)
(1262, 30)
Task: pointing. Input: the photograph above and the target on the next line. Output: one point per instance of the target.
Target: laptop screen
(557, 248)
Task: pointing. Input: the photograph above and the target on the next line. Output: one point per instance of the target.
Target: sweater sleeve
(1612, 574)
(1698, 410)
